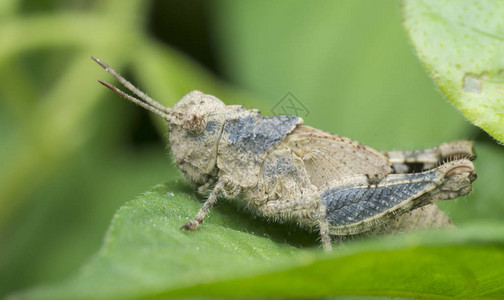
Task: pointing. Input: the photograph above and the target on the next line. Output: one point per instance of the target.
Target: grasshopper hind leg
(353, 207)
(421, 160)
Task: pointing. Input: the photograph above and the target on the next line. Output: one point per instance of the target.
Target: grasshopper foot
(191, 225)
(459, 176)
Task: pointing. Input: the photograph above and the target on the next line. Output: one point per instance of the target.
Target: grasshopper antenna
(144, 101)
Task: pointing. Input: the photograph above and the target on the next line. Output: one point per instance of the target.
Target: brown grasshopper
(292, 172)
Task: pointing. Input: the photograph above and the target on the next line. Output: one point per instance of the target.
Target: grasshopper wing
(328, 157)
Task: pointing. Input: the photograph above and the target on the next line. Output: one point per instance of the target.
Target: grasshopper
(287, 171)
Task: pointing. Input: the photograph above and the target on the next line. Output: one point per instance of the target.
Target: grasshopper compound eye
(195, 120)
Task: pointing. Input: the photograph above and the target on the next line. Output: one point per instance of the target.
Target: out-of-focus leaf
(347, 62)
(51, 121)
(461, 44)
(83, 197)
(145, 254)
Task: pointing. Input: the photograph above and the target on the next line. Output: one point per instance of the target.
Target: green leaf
(461, 44)
(145, 254)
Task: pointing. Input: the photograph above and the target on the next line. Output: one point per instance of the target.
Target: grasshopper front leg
(212, 198)
(421, 160)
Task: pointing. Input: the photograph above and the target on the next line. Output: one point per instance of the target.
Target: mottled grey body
(291, 172)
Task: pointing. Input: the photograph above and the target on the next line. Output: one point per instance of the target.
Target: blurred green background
(72, 152)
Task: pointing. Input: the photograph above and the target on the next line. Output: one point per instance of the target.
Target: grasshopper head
(196, 123)
(195, 129)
